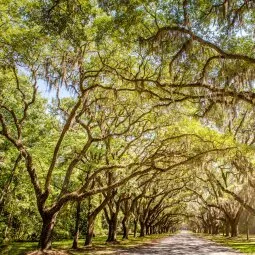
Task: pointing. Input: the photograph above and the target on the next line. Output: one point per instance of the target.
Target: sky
(44, 88)
(48, 93)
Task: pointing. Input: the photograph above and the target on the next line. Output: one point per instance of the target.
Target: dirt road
(181, 244)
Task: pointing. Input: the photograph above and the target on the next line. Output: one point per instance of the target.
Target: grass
(17, 248)
(99, 245)
(238, 243)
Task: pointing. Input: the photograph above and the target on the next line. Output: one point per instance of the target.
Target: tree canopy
(149, 120)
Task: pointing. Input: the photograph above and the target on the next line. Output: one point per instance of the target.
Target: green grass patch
(17, 248)
(99, 245)
(239, 243)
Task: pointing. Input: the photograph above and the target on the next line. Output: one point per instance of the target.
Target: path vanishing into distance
(183, 243)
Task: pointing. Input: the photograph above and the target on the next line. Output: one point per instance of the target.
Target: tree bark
(135, 227)
(125, 228)
(247, 227)
(91, 220)
(112, 229)
(142, 230)
(90, 230)
(147, 230)
(77, 223)
(234, 228)
(205, 227)
(215, 229)
(49, 221)
(227, 228)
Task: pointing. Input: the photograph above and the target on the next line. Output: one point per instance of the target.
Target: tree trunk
(247, 228)
(227, 228)
(49, 221)
(111, 233)
(112, 230)
(77, 223)
(91, 220)
(210, 229)
(234, 227)
(90, 230)
(125, 228)
(147, 230)
(215, 230)
(135, 228)
(142, 230)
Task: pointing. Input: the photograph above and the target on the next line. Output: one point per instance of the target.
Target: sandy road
(183, 243)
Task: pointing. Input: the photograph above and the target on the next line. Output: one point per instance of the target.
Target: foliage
(155, 127)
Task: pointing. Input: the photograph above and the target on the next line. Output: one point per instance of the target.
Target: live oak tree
(218, 210)
(96, 130)
(134, 74)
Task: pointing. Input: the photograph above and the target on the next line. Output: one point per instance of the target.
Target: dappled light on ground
(48, 253)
